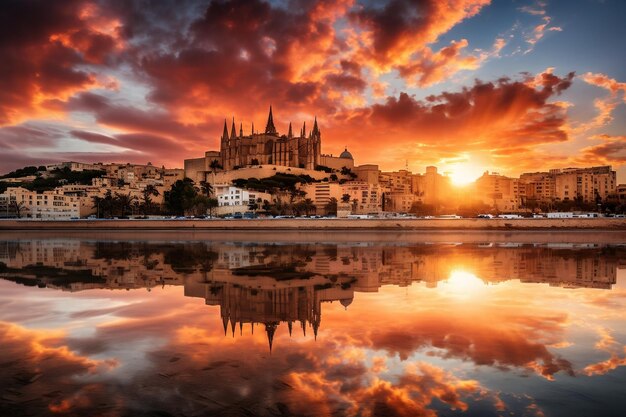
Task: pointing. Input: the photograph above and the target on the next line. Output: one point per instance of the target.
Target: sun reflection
(464, 283)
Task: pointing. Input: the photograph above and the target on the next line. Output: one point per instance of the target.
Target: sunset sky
(466, 85)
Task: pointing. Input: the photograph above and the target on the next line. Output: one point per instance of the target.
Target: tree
(308, 206)
(331, 206)
(147, 204)
(215, 165)
(18, 207)
(206, 189)
(124, 203)
(200, 205)
(104, 205)
(345, 198)
(355, 205)
(295, 194)
(213, 203)
(422, 209)
(180, 197)
(97, 202)
(348, 172)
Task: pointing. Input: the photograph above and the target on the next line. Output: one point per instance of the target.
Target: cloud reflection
(403, 350)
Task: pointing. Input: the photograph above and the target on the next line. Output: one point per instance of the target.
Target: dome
(346, 302)
(345, 154)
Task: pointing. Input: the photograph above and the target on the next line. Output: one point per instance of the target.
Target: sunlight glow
(464, 283)
(465, 173)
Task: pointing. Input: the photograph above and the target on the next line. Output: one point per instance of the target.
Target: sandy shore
(320, 224)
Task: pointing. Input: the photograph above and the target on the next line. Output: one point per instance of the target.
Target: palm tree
(215, 165)
(124, 202)
(97, 201)
(206, 188)
(345, 198)
(308, 206)
(212, 204)
(149, 191)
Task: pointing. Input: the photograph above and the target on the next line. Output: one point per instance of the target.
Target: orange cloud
(48, 60)
(488, 117)
(611, 151)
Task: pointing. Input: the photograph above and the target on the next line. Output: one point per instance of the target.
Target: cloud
(604, 105)
(604, 81)
(45, 49)
(612, 151)
(156, 82)
(538, 31)
(37, 365)
(489, 116)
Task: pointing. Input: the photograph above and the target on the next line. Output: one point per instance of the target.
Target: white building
(49, 205)
(228, 195)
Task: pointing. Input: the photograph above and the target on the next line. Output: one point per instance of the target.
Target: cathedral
(237, 150)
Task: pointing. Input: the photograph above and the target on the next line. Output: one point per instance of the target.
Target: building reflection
(274, 284)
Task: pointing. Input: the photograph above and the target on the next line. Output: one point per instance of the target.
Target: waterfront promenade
(320, 224)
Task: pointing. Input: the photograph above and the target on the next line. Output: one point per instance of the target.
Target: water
(294, 324)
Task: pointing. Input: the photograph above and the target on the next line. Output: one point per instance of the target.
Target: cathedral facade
(269, 148)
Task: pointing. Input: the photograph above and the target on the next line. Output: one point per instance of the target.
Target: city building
(362, 197)
(621, 193)
(500, 192)
(585, 184)
(233, 199)
(48, 205)
(344, 160)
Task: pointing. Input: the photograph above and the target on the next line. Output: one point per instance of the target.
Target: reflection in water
(445, 346)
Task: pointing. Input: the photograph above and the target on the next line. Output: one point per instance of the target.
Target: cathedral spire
(233, 134)
(316, 130)
(225, 134)
(303, 129)
(270, 328)
(290, 134)
(252, 129)
(270, 128)
(241, 130)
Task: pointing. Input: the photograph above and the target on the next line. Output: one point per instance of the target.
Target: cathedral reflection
(274, 284)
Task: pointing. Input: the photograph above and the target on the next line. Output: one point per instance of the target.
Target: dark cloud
(43, 47)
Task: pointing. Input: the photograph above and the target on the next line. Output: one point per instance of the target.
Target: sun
(464, 284)
(464, 173)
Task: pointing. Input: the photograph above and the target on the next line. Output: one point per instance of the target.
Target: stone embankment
(322, 224)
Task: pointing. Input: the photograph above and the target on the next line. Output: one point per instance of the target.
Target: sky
(509, 86)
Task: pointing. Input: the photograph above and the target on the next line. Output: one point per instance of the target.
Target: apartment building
(49, 205)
